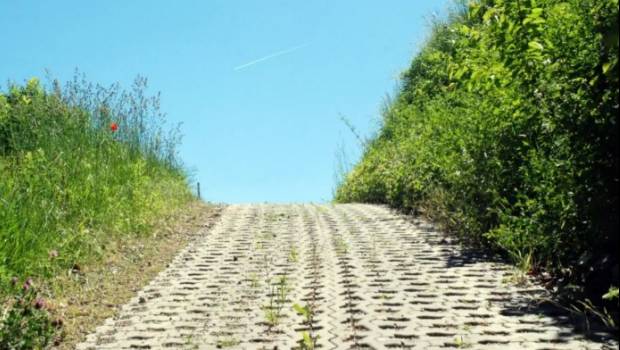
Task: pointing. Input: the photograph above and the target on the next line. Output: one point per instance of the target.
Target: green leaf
(535, 45)
(612, 294)
(299, 309)
(536, 12)
(488, 14)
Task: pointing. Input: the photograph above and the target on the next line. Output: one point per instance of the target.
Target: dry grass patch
(85, 296)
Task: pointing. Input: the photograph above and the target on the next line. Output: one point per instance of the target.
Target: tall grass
(69, 183)
(505, 130)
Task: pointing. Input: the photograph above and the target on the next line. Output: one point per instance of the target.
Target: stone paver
(368, 278)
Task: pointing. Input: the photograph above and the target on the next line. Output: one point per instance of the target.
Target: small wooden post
(198, 189)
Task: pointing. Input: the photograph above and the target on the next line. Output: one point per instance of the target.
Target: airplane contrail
(270, 56)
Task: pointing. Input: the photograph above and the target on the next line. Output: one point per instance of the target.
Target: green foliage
(307, 341)
(278, 293)
(26, 324)
(611, 294)
(68, 182)
(304, 311)
(505, 131)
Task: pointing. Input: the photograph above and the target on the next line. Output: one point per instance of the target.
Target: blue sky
(258, 85)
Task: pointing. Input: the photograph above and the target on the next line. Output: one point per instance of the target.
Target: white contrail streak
(270, 56)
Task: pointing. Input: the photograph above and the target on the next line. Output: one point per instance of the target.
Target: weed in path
(190, 343)
(293, 256)
(254, 282)
(227, 342)
(308, 340)
(341, 246)
(461, 343)
(277, 298)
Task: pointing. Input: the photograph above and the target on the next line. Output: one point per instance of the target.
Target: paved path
(360, 275)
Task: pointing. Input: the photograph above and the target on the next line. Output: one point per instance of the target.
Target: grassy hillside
(78, 165)
(505, 130)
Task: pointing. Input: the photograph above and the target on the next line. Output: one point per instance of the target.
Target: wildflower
(28, 283)
(39, 303)
(113, 127)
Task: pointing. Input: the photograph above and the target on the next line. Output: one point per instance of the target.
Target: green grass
(505, 131)
(69, 183)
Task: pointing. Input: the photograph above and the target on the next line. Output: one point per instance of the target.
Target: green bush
(69, 182)
(505, 130)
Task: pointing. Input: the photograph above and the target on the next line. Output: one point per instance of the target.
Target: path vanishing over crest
(366, 277)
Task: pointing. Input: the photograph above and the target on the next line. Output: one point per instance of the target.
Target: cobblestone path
(345, 276)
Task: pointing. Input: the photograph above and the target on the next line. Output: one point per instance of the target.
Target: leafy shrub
(505, 130)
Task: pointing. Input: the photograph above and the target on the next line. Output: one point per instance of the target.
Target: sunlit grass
(79, 165)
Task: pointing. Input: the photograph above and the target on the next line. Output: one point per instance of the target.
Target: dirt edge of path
(85, 300)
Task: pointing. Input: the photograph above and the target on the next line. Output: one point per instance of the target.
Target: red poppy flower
(113, 127)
